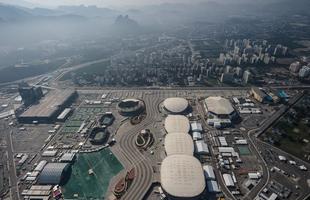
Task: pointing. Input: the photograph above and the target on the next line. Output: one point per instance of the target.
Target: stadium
(106, 119)
(220, 112)
(179, 143)
(99, 136)
(130, 107)
(219, 107)
(182, 177)
(177, 123)
(176, 105)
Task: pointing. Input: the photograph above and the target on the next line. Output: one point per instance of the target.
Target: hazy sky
(106, 3)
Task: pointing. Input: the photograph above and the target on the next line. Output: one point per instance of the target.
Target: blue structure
(282, 94)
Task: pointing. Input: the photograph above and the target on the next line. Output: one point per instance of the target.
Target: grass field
(291, 138)
(244, 150)
(104, 165)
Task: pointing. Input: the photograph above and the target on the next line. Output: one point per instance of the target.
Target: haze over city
(99, 3)
(163, 99)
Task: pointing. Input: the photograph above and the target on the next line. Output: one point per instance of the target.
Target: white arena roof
(176, 104)
(182, 176)
(177, 143)
(219, 105)
(177, 123)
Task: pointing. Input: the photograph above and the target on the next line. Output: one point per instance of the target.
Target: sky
(101, 3)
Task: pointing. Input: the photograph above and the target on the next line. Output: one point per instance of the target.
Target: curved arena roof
(176, 143)
(182, 176)
(176, 105)
(177, 123)
(130, 106)
(53, 173)
(219, 105)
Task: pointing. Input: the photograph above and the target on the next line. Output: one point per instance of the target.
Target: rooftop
(176, 104)
(219, 105)
(52, 173)
(177, 123)
(176, 143)
(259, 92)
(228, 180)
(182, 176)
(49, 104)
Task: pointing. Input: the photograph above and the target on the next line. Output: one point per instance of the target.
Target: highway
(252, 136)
(176, 88)
(134, 158)
(278, 114)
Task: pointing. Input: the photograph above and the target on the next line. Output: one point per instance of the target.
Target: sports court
(79, 116)
(244, 150)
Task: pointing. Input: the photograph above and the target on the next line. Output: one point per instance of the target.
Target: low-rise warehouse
(209, 172)
(64, 115)
(178, 143)
(228, 180)
(176, 105)
(67, 157)
(201, 147)
(177, 123)
(182, 177)
(196, 127)
(197, 136)
(49, 107)
(213, 186)
(40, 166)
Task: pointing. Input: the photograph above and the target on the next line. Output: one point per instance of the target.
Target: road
(303, 176)
(224, 189)
(266, 176)
(186, 88)
(252, 136)
(134, 158)
(14, 192)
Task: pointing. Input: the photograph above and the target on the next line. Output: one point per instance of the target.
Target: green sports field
(104, 165)
(244, 150)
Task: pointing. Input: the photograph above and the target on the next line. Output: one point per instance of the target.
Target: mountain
(44, 12)
(125, 25)
(89, 11)
(125, 21)
(288, 7)
(12, 13)
(9, 13)
(20, 3)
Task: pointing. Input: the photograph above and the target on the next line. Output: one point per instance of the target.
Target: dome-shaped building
(176, 105)
(179, 143)
(182, 177)
(177, 123)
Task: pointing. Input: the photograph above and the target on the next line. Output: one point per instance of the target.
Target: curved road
(134, 158)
